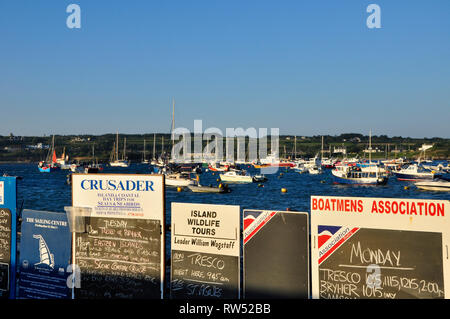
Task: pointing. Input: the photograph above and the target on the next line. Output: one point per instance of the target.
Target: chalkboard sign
(385, 248)
(202, 275)
(276, 249)
(119, 258)
(379, 263)
(5, 251)
(8, 235)
(205, 246)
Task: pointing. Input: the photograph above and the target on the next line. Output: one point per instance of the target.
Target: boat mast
(370, 146)
(154, 146)
(50, 154)
(295, 147)
(124, 148)
(321, 158)
(173, 124)
(143, 159)
(117, 146)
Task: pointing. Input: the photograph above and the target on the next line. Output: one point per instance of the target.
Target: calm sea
(50, 191)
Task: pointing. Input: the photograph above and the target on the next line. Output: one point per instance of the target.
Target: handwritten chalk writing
(330, 289)
(5, 250)
(115, 223)
(340, 276)
(389, 264)
(202, 275)
(207, 261)
(378, 256)
(123, 262)
(204, 290)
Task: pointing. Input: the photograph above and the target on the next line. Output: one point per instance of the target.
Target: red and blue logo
(331, 238)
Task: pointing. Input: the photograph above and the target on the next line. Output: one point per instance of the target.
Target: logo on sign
(332, 237)
(46, 258)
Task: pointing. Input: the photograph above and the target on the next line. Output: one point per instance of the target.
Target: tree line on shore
(80, 147)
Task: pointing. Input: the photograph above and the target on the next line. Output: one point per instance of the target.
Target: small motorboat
(178, 179)
(314, 170)
(222, 188)
(435, 185)
(236, 177)
(259, 178)
(415, 172)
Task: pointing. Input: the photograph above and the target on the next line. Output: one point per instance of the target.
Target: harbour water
(50, 191)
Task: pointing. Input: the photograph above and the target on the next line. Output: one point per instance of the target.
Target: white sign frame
(152, 203)
(369, 212)
(229, 234)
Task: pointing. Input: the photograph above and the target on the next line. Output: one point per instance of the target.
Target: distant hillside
(79, 147)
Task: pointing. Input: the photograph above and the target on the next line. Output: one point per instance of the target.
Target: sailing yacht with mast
(50, 164)
(114, 161)
(144, 158)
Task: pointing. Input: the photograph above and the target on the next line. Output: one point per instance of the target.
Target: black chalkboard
(388, 264)
(197, 275)
(119, 258)
(276, 263)
(5, 251)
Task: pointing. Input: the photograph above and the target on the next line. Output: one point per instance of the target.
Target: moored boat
(415, 172)
(114, 158)
(272, 160)
(178, 179)
(236, 177)
(50, 164)
(314, 170)
(344, 174)
(222, 188)
(217, 167)
(436, 185)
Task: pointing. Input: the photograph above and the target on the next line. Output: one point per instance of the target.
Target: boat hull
(119, 164)
(236, 179)
(205, 189)
(48, 169)
(378, 180)
(178, 182)
(434, 186)
(415, 177)
(274, 165)
(360, 181)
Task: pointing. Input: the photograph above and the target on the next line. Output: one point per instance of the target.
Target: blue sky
(306, 67)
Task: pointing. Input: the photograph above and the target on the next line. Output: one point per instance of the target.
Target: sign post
(205, 251)
(380, 248)
(121, 254)
(8, 238)
(276, 254)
